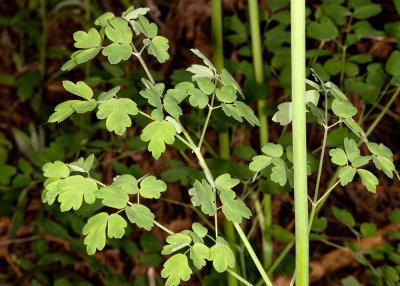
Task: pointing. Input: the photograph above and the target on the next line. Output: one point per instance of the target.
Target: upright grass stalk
(223, 137)
(259, 76)
(299, 139)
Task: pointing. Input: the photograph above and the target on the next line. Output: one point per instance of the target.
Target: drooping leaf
(368, 180)
(204, 58)
(203, 195)
(149, 29)
(228, 80)
(62, 111)
(247, 113)
(221, 256)
(140, 215)
(117, 113)
(151, 188)
(158, 133)
(176, 268)
(234, 209)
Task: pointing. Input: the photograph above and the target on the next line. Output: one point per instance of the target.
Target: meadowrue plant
(71, 183)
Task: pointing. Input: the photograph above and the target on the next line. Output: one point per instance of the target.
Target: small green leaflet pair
(203, 194)
(73, 190)
(177, 268)
(119, 32)
(381, 156)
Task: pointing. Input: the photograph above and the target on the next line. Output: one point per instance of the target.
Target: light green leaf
(384, 164)
(176, 269)
(51, 190)
(176, 242)
(62, 111)
(279, 174)
(116, 52)
(206, 85)
(379, 150)
(284, 114)
(228, 80)
(116, 111)
(199, 253)
(200, 71)
(180, 91)
(360, 161)
(84, 106)
(338, 156)
(151, 188)
(118, 31)
(231, 111)
(55, 170)
(346, 174)
(221, 256)
(197, 98)
(247, 113)
(103, 19)
(343, 108)
(113, 197)
(172, 107)
(116, 226)
(204, 58)
(203, 195)
(141, 216)
(225, 182)
(272, 150)
(158, 133)
(199, 229)
(95, 231)
(74, 190)
(134, 14)
(368, 180)
(105, 95)
(80, 89)
(344, 216)
(149, 29)
(84, 40)
(226, 94)
(234, 209)
(126, 182)
(351, 149)
(158, 47)
(259, 162)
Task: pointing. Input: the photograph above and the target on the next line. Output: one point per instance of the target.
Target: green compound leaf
(80, 89)
(105, 95)
(158, 133)
(180, 91)
(343, 108)
(116, 52)
(338, 156)
(83, 40)
(118, 31)
(84, 106)
(116, 226)
(199, 253)
(82, 165)
(272, 150)
(346, 175)
(133, 14)
(361, 161)
(221, 256)
(204, 58)
(158, 47)
(80, 57)
(141, 216)
(148, 29)
(172, 107)
(176, 269)
(200, 71)
(232, 111)
(126, 182)
(75, 189)
(225, 183)
(62, 111)
(113, 197)
(279, 174)
(95, 231)
(368, 180)
(206, 85)
(234, 209)
(228, 80)
(379, 150)
(259, 162)
(176, 242)
(197, 98)
(151, 188)
(284, 114)
(344, 216)
(384, 164)
(103, 19)
(226, 94)
(247, 113)
(55, 170)
(116, 111)
(51, 190)
(203, 195)
(351, 149)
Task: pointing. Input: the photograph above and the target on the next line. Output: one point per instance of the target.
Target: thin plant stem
(252, 254)
(146, 69)
(299, 139)
(163, 227)
(261, 104)
(238, 277)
